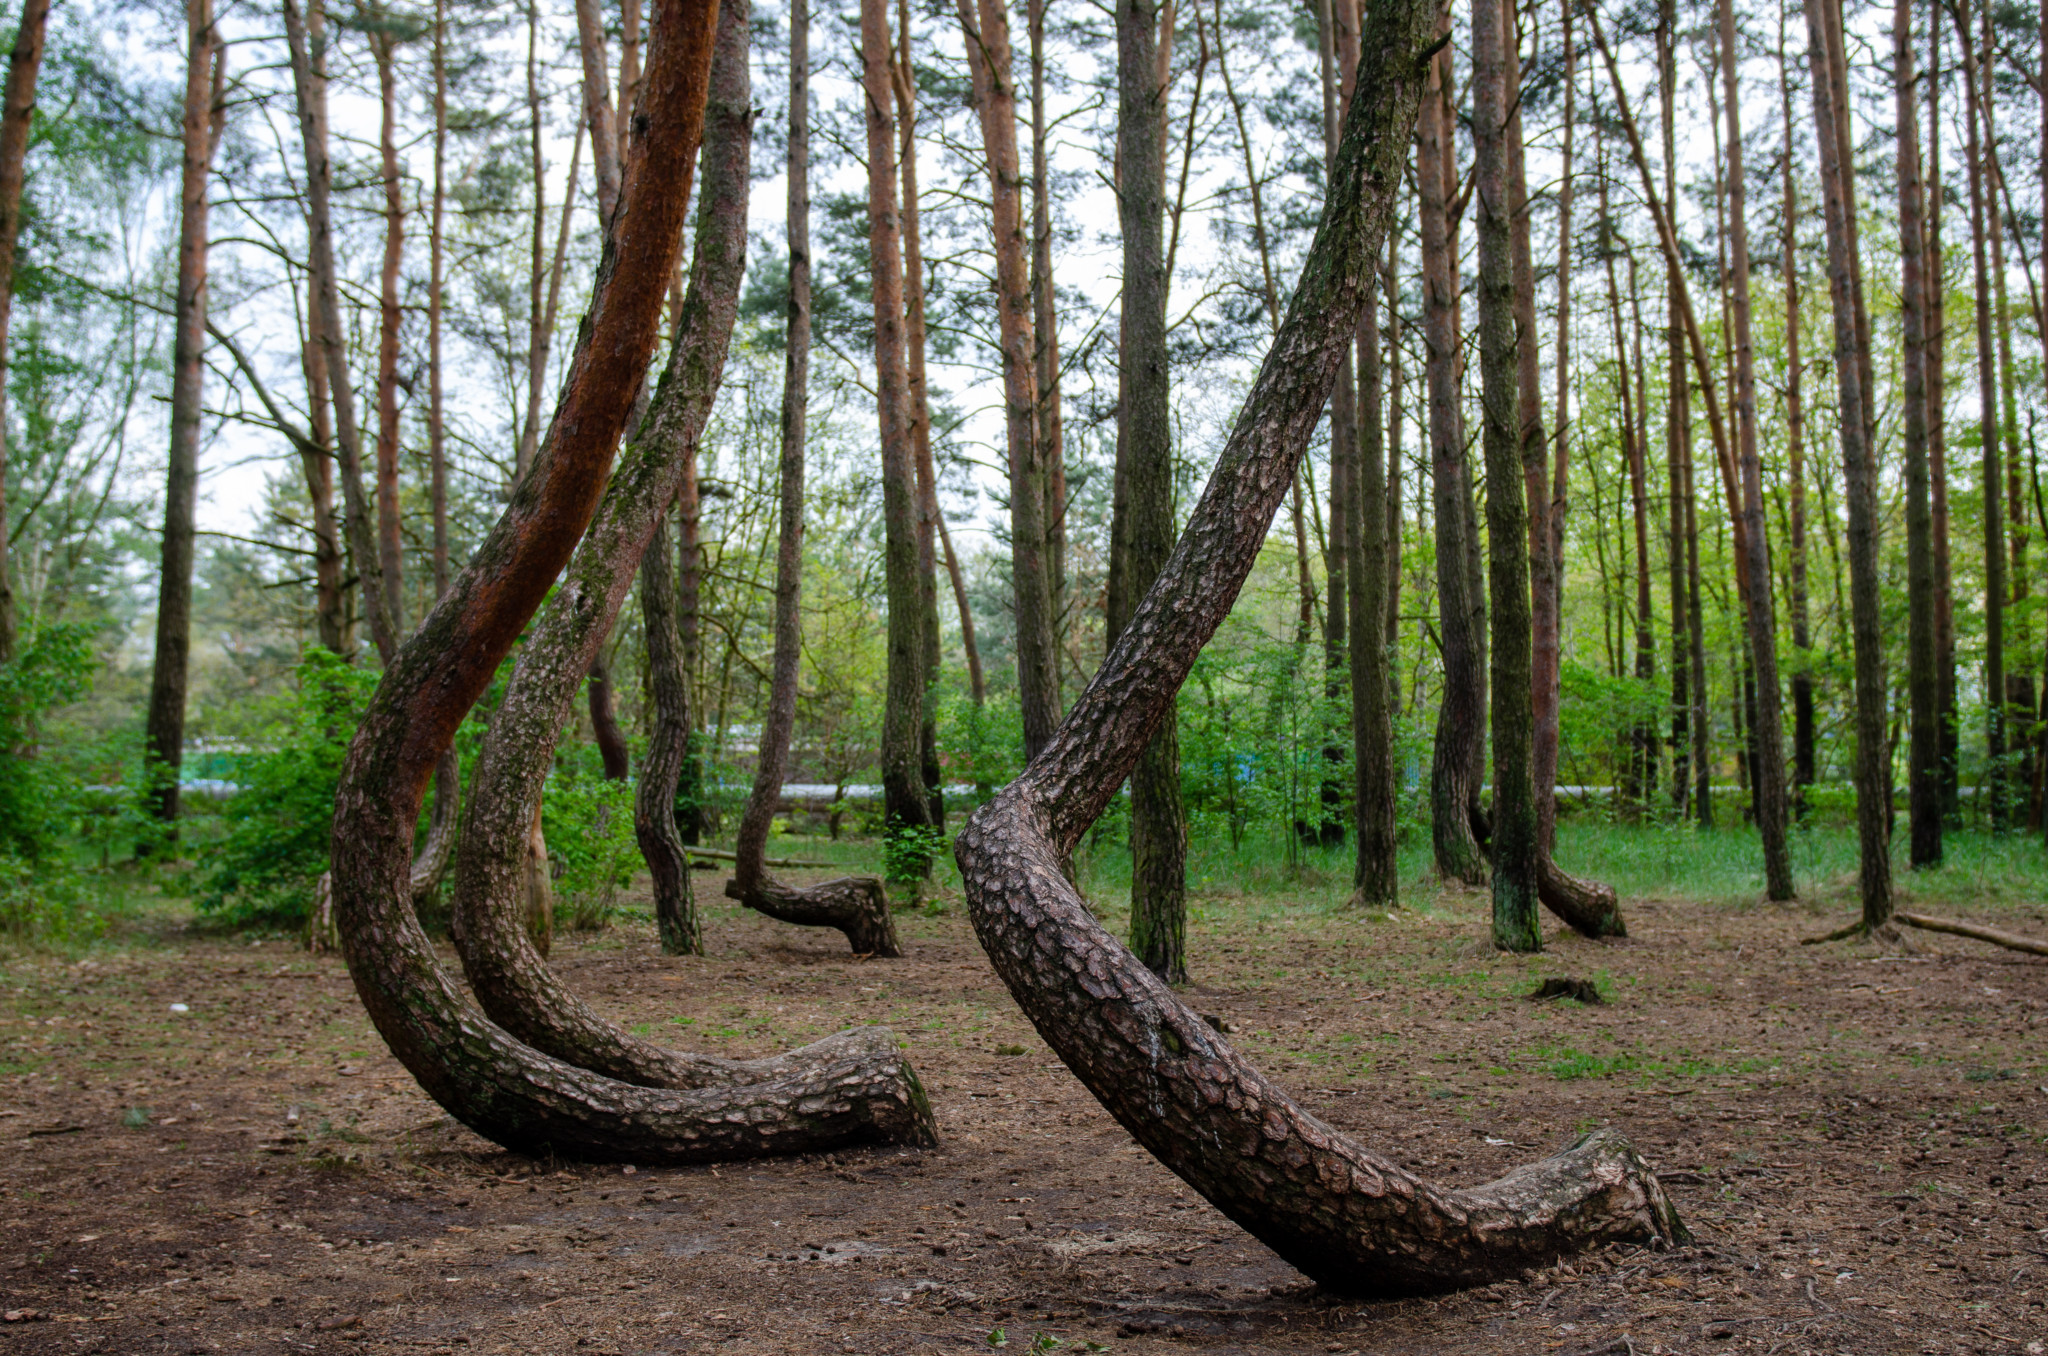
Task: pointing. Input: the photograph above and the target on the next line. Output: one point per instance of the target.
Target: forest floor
(208, 1149)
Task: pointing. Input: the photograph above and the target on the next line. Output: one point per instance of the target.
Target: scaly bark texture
(1923, 795)
(1987, 402)
(1770, 802)
(857, 905)
(985, 26)
(1873, 752)
(1455, 768)
(1350, 1219)
(390, 317)
(164, 732)
(903, 76)
(1515, 846)
(17, 113)
(1145, 465)
(480, 1072)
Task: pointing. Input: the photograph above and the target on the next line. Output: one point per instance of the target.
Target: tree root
(857, 905)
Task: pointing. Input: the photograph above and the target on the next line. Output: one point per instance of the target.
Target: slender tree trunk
(1924, 756)
(1676, 431)
(1937, 440)
(1515, 845)
(1354, 1221)
(1338, 51)
(1767, 731)
(17, 113)
(1795, 453)
(305, 34)
(597, 107)
(390, 529)
(1873, 771)
(906, 809)
(2019, 687)
(1145, 460)
(856, 900)
(1461, 719)
(1545, 559)
(986, 27)
(1052, 453)
(330, 600)
(905, 80)
(164, 733)
(1975, 87)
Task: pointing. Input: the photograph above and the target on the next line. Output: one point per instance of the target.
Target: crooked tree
(1351, 1219)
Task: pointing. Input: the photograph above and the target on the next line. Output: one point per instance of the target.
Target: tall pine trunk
(1924, 752)
(1873, 770)
(164, 733)
(17, 112)
(1145, 462)
(1767, 728)
(986, 27)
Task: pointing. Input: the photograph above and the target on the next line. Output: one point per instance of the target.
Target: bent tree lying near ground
(633, 1105)
(1347, 1217)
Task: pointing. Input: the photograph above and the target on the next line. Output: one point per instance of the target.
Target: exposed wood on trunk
(17, 113)
(985, 26)
(1924, 753)
(855, 904)
(1352, 1220)
(164, 729)
(1873, 769)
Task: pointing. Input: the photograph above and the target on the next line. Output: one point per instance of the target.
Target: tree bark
(904, 78)
(305, 36)
(1873, 768)
(1351, 1220)
(17, 115)
(1145, 465)
(1515, 846)
(1767, 732)
(479, 1071)
(1924, 754)
(390, 530)
(1803, 731)
(1937, 440)
(316, 459)
(668, 744)
(985, 25)
(164, 732)
(1460, 727)
(855, 904)
(1987, 401)
(597, 107)
(906, 808)
(1052, 451)
(1376, 875)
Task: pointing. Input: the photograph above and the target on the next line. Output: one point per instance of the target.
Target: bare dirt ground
(207, 1149)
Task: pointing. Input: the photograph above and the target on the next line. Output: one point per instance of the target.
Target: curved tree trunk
(856, 905)
(479, 1071)
(1350, 1219)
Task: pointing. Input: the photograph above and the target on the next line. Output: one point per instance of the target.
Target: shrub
(267, 863)
(588, 823)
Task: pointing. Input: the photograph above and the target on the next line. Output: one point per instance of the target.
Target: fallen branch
(2010, 940)
(721, 855)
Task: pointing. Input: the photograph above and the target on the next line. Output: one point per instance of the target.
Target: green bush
(588, 823)
(274, 849)
(40, 795)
